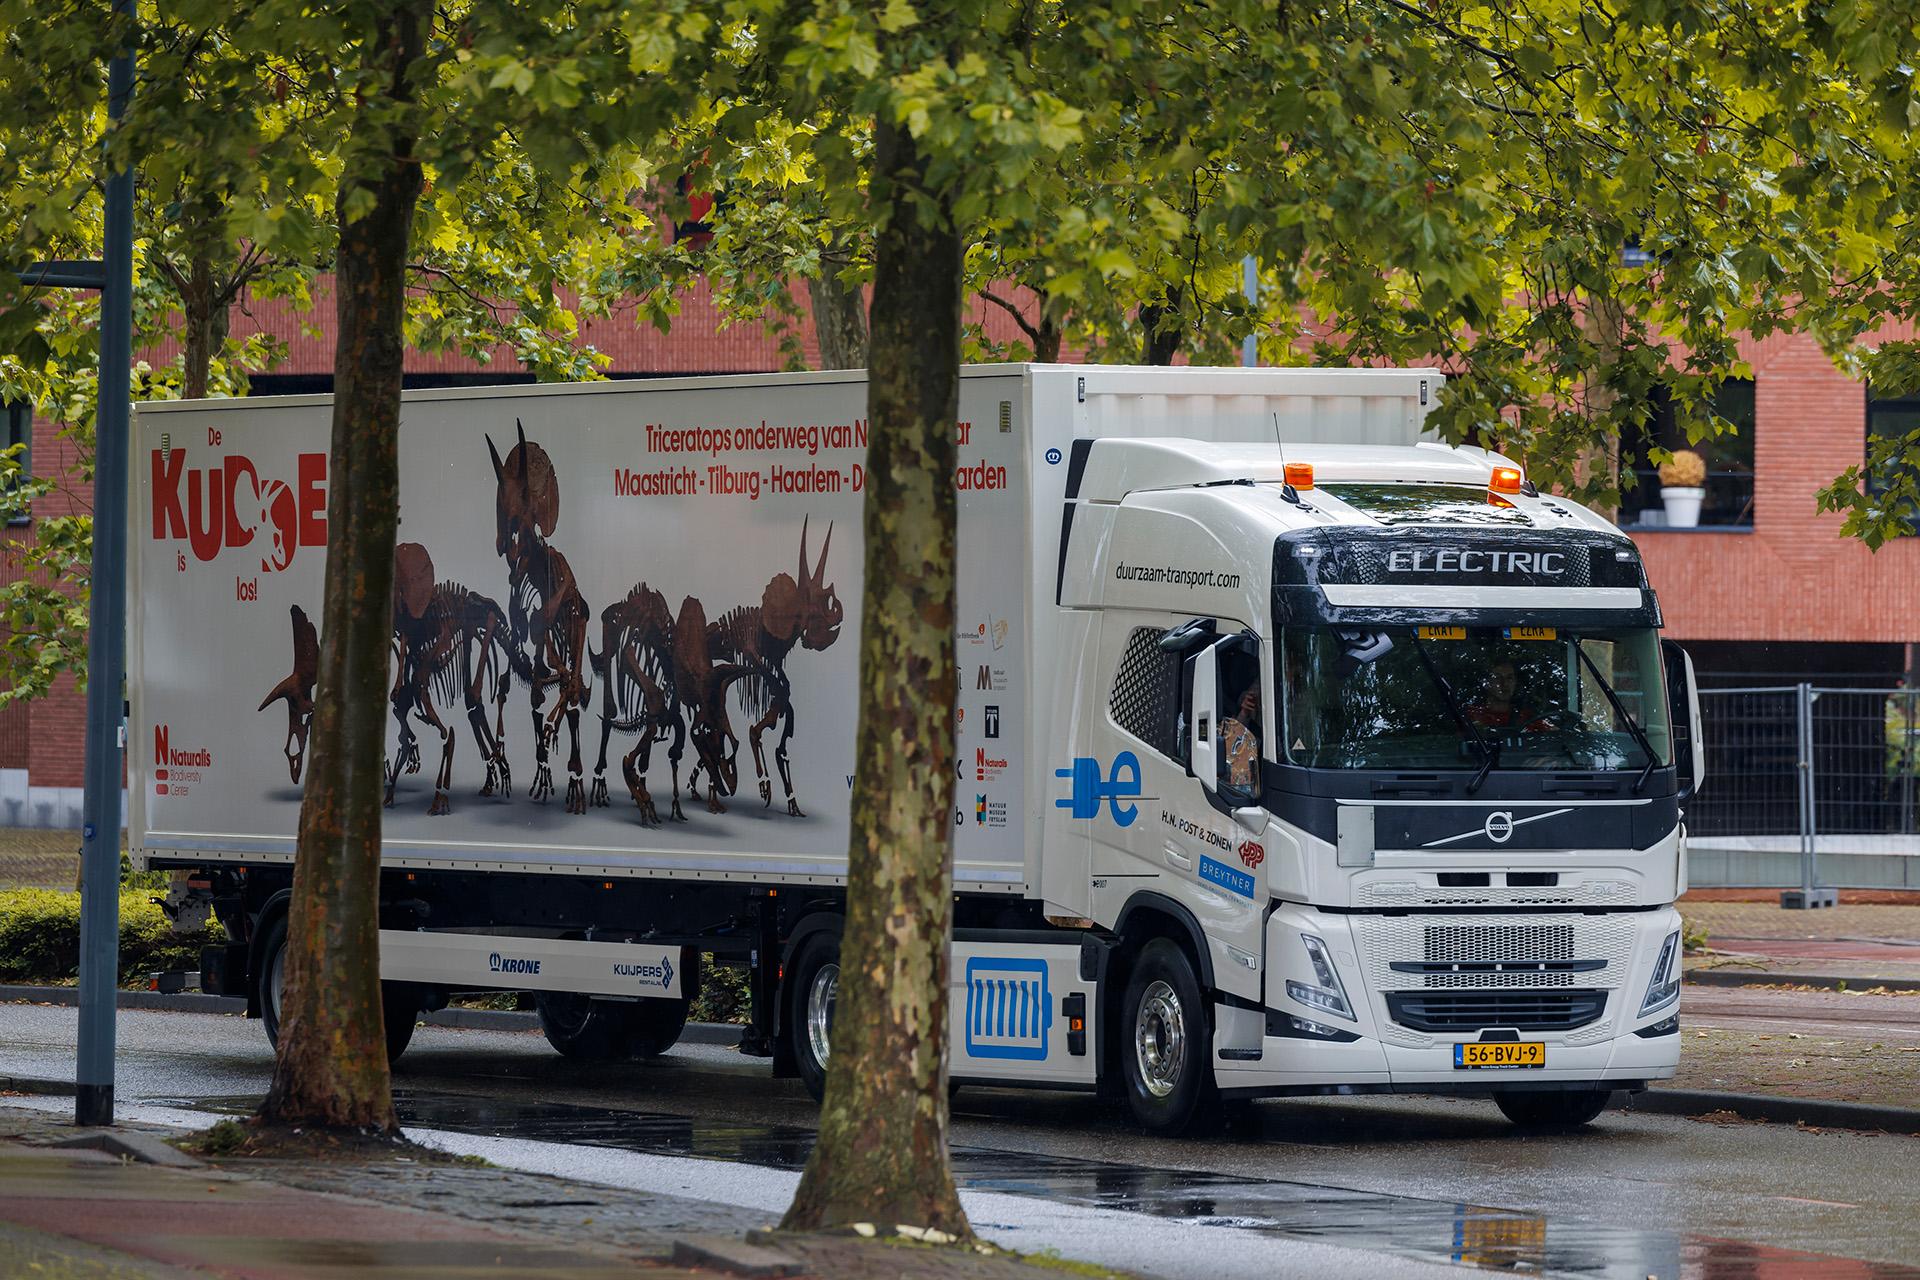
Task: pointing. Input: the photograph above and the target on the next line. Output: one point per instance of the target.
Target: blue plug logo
(1090, 788)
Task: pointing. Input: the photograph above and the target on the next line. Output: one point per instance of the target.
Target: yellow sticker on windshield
(1531, 633)
(1443, 633)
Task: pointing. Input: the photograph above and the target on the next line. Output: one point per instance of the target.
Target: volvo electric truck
(1295, 752)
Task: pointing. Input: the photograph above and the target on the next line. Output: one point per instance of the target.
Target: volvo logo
(1497, 826)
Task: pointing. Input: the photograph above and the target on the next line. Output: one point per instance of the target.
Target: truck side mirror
(1683, 715)
(1203, 683)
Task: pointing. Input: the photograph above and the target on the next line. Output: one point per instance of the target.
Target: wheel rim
(821, 997)
(1160, 1039)
(566, 1011)
(277, 983)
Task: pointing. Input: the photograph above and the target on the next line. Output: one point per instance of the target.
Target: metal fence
(1808, 787)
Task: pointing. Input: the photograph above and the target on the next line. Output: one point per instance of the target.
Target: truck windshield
(1366, 699)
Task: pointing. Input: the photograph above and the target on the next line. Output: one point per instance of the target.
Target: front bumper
(1268, 1053)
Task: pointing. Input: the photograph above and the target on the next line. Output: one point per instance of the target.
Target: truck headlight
(1664, 988)
(1329, 996)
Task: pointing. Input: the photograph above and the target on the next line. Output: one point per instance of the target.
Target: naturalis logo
(176, 770)
(229, 507)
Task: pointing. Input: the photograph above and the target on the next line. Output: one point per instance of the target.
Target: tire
(399, 1005)
(812, 995)
(399, 1010)
(1166, 1047)
(268, 977)
(1557, 1109)
(590, 1030)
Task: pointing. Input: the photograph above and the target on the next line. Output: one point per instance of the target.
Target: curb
(174, 1002)
(458, 1019)
(1766, 978)
(37, 1087)
(1776, 1109)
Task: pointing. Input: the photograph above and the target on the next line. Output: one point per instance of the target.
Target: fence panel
(1753, 766)
(1808, 786)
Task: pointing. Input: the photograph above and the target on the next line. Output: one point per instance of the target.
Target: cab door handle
(1177, 858)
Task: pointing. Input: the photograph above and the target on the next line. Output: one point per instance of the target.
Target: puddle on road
(1428, 1230)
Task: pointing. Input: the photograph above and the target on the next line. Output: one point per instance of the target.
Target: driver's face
(1505, 681)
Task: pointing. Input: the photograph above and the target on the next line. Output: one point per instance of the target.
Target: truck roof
(1356, 485)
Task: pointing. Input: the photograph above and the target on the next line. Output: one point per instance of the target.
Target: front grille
(1498, 943)
(1410, 952)
(1473, 1010)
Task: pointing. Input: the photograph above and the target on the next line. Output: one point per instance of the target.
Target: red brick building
(1764, 590)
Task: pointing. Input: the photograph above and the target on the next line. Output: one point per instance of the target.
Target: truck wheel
(270, 977)
(609, 1030)
(1167, 1043)
(400, 1010)
(813, 992)
(400, 1007)
(1559, 1109)
(654, 1026)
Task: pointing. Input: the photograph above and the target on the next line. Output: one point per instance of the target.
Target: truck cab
(1400, 743)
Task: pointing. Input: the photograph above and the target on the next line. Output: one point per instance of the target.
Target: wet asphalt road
(1419, 1180)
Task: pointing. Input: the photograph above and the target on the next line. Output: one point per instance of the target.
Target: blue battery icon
(1009, 1009)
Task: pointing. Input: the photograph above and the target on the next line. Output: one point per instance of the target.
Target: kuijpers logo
(229, 506)
(648, 975)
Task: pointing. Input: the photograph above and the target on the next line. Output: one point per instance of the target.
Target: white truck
(1297, 754)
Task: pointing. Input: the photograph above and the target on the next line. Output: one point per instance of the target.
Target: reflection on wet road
(1406, 1226)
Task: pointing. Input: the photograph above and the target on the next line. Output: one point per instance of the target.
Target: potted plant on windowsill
(1683, 479)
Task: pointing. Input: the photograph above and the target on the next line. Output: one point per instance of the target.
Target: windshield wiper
(1620, 709)
(1489, 751)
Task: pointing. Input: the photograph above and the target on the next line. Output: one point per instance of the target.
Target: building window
(1891, 419)
(20, 433)
(1729, 499)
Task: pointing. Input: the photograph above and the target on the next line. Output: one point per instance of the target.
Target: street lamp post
(106, 620)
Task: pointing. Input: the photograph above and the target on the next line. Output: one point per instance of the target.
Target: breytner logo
(497, 963)
(649, 975)
(225, 507)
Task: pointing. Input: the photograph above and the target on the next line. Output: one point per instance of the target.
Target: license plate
(1530, 1054)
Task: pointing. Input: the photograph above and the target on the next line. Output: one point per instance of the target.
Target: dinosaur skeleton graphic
(656, 667)
(548, 614)
(448, 643)
(297, 691)
(804, 610)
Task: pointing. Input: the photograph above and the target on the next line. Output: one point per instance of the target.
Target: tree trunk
(206, 324)
(882, 1153)
(1160, 330)
(331, 1070)
(839, 319)
(1046, 338)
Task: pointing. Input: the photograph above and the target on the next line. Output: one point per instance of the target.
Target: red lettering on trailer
(221, 508)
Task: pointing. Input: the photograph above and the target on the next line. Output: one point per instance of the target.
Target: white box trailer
(625, 691)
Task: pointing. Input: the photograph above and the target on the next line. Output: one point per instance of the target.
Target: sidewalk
(1757, 943)
(92, 1213)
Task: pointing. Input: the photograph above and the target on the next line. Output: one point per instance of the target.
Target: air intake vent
(1474, 1010)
